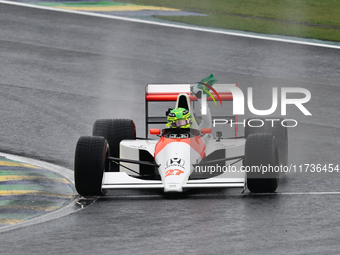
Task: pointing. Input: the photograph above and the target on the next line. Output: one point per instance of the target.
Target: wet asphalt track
(60, 72)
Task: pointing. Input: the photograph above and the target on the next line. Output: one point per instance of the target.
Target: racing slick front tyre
(261, 162)
(114, 131)
(90, 164)
(276, 129)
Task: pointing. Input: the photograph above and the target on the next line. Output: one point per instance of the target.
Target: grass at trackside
(319, 19)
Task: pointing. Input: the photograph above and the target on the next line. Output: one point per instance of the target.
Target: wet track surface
(60, 72)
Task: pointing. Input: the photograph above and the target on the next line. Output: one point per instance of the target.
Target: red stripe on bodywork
(194, 142)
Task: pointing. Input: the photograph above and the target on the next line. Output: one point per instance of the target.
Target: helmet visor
(180, 123)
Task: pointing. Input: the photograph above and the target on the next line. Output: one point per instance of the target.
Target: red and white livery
(176, 159)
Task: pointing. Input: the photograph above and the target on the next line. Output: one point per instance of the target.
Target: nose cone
(174, 168)
(174, 157)
(173, 187)
(175, 173)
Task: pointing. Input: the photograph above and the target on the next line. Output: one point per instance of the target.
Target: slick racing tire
(114, 131)
(90, 164)
(261, 153)
(280, 132)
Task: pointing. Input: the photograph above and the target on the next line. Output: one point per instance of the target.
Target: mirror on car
(155, 131)
(206, 131)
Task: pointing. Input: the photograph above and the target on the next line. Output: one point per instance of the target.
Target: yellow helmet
(179, 117)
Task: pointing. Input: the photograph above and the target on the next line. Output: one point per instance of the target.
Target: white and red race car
(179, 158)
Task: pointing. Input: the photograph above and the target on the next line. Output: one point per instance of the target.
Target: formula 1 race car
(180, 158)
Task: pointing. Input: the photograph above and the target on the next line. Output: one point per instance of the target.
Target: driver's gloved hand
(198, 92)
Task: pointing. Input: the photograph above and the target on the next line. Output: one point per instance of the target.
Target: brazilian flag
(206, 85)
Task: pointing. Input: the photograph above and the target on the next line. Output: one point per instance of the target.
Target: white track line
(313, 193)
(310, 193)
(240, 34)
(279, 193)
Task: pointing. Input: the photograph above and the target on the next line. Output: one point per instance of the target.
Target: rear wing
(170, 92)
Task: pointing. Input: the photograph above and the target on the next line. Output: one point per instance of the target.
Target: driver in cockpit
(181, 117)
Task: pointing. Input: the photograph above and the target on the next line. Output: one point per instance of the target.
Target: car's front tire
(276, 129)
(261, 162)
(90, 164)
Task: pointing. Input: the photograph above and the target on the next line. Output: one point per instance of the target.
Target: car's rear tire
(90, 164)
(280, 132)
(261, 151)
(114, 131)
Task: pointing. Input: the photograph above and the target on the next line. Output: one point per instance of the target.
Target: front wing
(121, 180)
